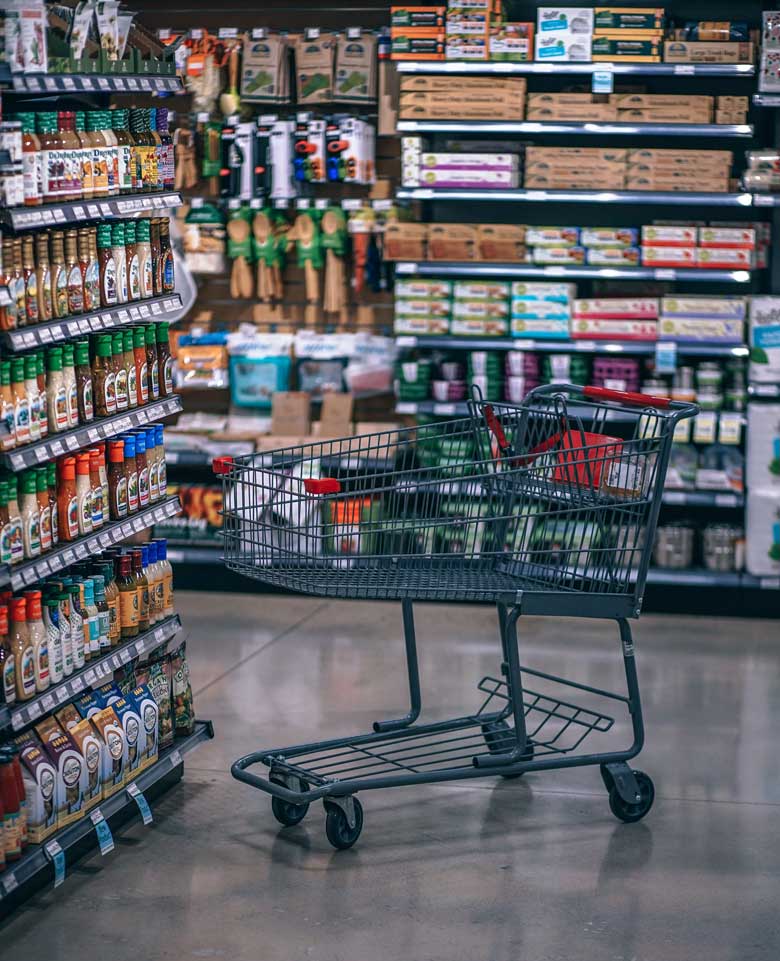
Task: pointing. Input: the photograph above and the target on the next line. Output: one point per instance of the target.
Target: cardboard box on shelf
(478, 179)
(609, 236)
(543, 290)
(668, 256)
(422, 83)
(762, 461)
(762, 529)
(592, 112)
(666, 157)
(586, 328)
(480, 289)
(738, 237)
(420, 326)
(418, 16)
(725, 258)
(691, 51)
(481, 309)
(418, 287)
(536, 309)
(675, 184)
(666, 115)
(702, 307)
(613, 256)
(501, 242)
(586, 182)
(617, 308)
(552, 236)
(632, 101)
(628, 18)
(451, 241)
(560, 256)
(700, 330)
(604, 49)
(470, 161)
(423, 306)
(552, 20)
(479, 327)
(403, 46)
(764, 339)
(576, 155)
(543, 328)
(511, 41)
(558, 99)
(564, 47)
(405, 241)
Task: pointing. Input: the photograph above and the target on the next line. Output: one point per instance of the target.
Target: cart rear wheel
(625, 810)
(499, 738)
(337, 828)
(286, 812)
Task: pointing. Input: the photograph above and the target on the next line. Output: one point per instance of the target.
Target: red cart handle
(325, 485)
(222, 465)
(625, 397)
(494, 426)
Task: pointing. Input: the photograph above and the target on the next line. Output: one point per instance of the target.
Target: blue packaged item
(254, 380)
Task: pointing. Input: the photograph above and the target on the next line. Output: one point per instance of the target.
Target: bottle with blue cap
(151, 460)
(143, 468)
(162, 473)
(131, 472)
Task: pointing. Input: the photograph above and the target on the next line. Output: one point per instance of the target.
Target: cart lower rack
(563, 524)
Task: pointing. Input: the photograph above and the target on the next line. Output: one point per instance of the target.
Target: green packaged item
(183, 708)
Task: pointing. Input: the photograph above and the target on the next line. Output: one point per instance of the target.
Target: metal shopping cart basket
(546, 508)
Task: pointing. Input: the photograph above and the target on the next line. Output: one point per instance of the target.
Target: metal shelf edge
(36, 860)
(84, 211)
(521, 195)
(581, 129)
(499, 68)
(433, 268)
(446, 342)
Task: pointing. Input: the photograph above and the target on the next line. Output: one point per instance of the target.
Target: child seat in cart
(547, 508)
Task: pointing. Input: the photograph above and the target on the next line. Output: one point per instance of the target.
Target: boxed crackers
(691, 319)
(634, 318)
(564, 33)
(71, 778)
(39, 774)
(693, 51)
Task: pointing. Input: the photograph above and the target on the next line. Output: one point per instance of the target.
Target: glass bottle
(151, 458)
(164, 359)
(100, 153)
(66, 635)
(43, 278)
(162, 555)
(143, 469)
(97, 489)
(51, 481)
(78, 640)
(36, 633)
(32, 166)
(71, 146)
(90, 268)
(131, 253)
(166, 153)
(143, 248)
(52, 157)
(85, 156)
(59, 274)
(129, 360)
(128, 597)
(100, 453)
(157, 147)
(10, 319)
(84, 493)
(131, 473)
(5, 525)
(152, 366)
(112, 154)
(74, 275)
(101, 604)
(56, 393)
(120, 371)
(108, 278)
(103, 381)
(7, 660)
(17, 287)
(140, 560)
(125, 143)
(83, 371)
(120, 261)
(142, 147)
(33, 397)
(51, 611)
(112, 602)
(15, 520)
(141, 371)
(21, 402)
(162, 470)
(117, 480)
(67, 501)
(167, 276)
(44, 508)
(43, 410)
(154, 577)
(91, 619)
(7, 406)
(156, 255)
(71, 387)
(31, 516)
(30, 281)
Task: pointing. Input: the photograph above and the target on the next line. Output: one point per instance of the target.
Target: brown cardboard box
(545, 182)
(557, 99)
(484, 111)
(412, 83)
(690, 51)
(405, 241)
(336, 415)
(291, 412)
(700, 185)
(664, 155)
(670, 115)
(575, 155)
(584, 166)
(732, 103)
(569, 112)
(503, 242)
(451, 241)
(626, 101)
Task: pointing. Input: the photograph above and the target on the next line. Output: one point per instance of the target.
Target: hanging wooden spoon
(241, 281)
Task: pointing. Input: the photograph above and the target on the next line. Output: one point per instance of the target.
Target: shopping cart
(545, 508)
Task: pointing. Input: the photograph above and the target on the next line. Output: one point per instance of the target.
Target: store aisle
(535, 869)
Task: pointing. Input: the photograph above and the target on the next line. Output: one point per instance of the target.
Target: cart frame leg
(413, 674)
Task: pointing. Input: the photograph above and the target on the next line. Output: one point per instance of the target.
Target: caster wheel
(337, 828)
(498, 738)
(630, 812)
(289, 814)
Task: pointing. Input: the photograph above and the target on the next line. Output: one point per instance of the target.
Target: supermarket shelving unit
(41, 864)
(555, 206)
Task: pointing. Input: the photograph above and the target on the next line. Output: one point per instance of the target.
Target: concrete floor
(528, 870)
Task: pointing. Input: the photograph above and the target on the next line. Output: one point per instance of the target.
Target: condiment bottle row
(66, 155)
(62, 501)
(62, 624)
(48, 392)
(55, 274)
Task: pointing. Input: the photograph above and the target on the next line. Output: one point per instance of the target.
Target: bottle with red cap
(11, 801)
(84, 493)
(38, 639)
(7, 660)
(22, 648)
(67, 501)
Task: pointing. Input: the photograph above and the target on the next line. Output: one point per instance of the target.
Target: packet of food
(48, 729)
(183, 709)
(159, 682)
(108, 725)
(109, 693)
(124, 679)
(108, 26)
(127, 711)
(89, 704)
(148, 737)
(68, 717)
(40, 790)
(71, 778)
(92, 747)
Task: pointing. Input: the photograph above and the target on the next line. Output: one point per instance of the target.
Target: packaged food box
(406, 47)
(468, 326)
(71, 778)
(88, 741)
(609, 236)
(541, 328)
(420, 326)
(668, 256)
(540, 310)
(470, 161)
(663, 236)
(558, 293)
(422, 307)
(664, 157)
(421, 287)
(148, 711)
(405, 241)
(575, 155)
(738, 237)
(511, 41)
(589, 111)
(627, 308)
(701, 330)
(418, 16)
(613, 256)
(558, 255)
(764, 340)
(690, 307)
(628, 18)
(566, 47)
(633, 101)
(479, 179)
(692, 51)
(762, 528)
(552, 20)
(588, 328)
(126, 710)
(725, 258)
(552, 236)
(665, 115)
(114, 757)
(420, 83)
(451, 241)
(39, 774)
(763, 441)
(475, 290)
(480, 309)
(501, 242)
(548, 181)
(604, 49)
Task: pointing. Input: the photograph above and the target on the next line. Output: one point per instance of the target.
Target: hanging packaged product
(265, 67)
(204, 239)
(314, 55)
(259, 368)
(355, 78)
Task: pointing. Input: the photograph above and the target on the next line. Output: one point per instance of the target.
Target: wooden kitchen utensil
(241, 280)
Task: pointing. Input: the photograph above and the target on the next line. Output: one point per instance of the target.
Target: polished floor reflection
(535, 869)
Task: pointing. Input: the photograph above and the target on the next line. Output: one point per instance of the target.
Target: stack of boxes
(763, 171)
(662, 108)
(480, 309)
(417, 33)
(468, 29)
(570, 107)
(624, 33)
(631, 107)
(719, 41)
(594, 246)
(511, 41)
(541, 310)
(575, 168)
(480, 170)
(731, 110)
(564, 33)
(625, 318)
(423, 306)
(722, 248)
(688, 319)
(683, 170)
(470, 98)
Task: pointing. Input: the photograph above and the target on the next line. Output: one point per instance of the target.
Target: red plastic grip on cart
(326, 485)
(495, 427)
(222, 465)
(625, 397)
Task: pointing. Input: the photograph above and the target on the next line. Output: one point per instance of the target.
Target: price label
(81, 551)
(726, 500)
(72, 443)
(76, 685)
(89, 677)
(175, 757)
(665, 357)
(103, 831)
(705, 427)
(769, 583)
(48, 702)
(57, 857)
(143, 805)
(603, 80)
(103, 83)
(34, 711)
(684, 69)
(445, 410)
(132, 83)
(45, 334)
(10, 883)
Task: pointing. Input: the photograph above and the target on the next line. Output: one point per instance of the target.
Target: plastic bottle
(91, 619)
(129, 362)
(162, 469)
(7, 406)
(33, 397)
(96, 484)
(152, 366)
(83, 372)
(7, 660)
(162, 555)
(84, 493)
(21, 401)
(43, 411)
(104, 627)
(32, 166)
(154, 470)
(120, 261)
(44, 508)
(71, 386)
(143, 248)
(39, 640)
(131, 473)
(120, 370)
(78, 638)
(15, 521)
(67, 501)
(31, 517)
(11, 803)
(51, 481)
(51, 619)
(23, 651)
(66, 634)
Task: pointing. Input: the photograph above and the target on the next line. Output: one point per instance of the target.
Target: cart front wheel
(628, 812)
(337, 828)
(286, 812)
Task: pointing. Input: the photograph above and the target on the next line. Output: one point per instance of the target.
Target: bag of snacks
(183, 709)
(158, 679)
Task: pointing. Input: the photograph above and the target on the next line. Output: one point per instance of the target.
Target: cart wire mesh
(442, 512)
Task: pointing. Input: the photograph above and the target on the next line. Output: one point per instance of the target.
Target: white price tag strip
(103, 831)
(57, 856)
(143, 805)
(9, 882)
